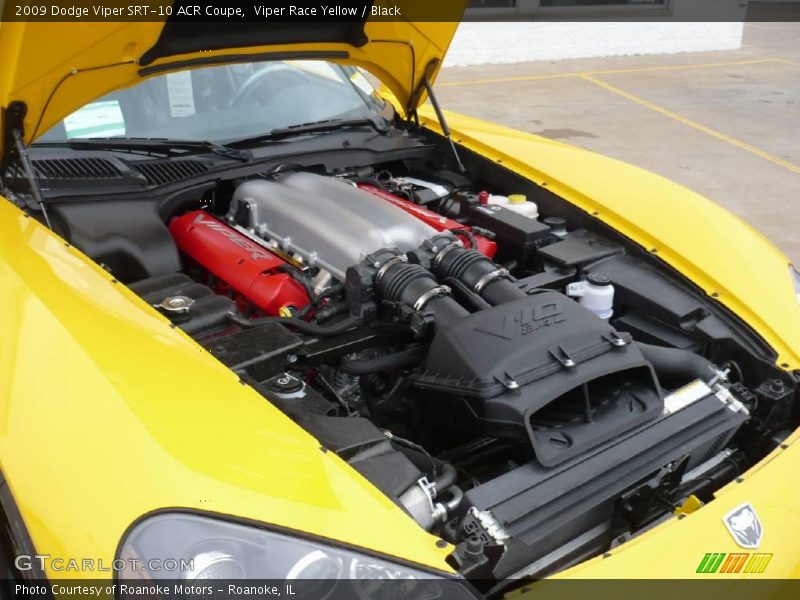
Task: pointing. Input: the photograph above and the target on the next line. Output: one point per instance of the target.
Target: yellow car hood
(55, 68)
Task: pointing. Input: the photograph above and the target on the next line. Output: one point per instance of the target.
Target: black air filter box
(545, 367)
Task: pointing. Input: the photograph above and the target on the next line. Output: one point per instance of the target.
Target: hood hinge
(15, 150)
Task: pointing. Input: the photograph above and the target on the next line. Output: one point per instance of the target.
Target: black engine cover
(546, 367)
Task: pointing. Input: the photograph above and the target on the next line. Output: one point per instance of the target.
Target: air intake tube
(446, 257)
(388, 280)
(677, 366)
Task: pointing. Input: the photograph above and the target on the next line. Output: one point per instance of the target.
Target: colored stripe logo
(735, 562)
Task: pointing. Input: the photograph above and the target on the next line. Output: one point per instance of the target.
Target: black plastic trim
(20, 537)
(240, 58)
(307, 158)
(181, 35)
(11, 118)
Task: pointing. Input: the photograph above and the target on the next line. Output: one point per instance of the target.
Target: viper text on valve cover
(334, 335)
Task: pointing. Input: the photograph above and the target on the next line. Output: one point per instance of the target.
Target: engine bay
(521, 380)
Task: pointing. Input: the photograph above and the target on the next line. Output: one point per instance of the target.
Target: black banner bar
(316, 11)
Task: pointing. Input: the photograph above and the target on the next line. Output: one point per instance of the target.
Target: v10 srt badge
(743, 524)
(509, 326)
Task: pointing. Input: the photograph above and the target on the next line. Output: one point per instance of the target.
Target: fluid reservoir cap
(285, 383)
(517, 199)
(555, 222)
(176, 304)
(598, 279)
(557, 225)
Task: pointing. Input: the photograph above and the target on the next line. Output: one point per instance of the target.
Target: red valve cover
(482, 244)
(239, 262)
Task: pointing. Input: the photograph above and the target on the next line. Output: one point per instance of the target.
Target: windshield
(224, 103)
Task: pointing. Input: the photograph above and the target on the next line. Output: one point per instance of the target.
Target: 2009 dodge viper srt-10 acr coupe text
(262, 318)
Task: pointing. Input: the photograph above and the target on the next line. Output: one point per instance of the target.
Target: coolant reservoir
(518, 203)
(596, 294)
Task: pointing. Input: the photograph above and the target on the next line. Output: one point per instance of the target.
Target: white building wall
(512, 42)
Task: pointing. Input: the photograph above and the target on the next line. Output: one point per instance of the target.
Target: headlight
(233, 558)
(796, 280)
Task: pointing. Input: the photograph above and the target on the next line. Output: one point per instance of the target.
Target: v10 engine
(275, 232)
(500, 413)
(331, 224)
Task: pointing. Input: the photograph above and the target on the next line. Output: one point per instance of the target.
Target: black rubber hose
(389, 362)
(466, 233)
(373, 181)
(330, 311)
(416, 454)
(676, 365)
(302, 279)
(465, 295)
(302, 326)
(713, 479)
(470, 266)
(407, 283)
(447, 478)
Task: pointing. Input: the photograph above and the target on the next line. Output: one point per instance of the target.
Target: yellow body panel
(107, 413)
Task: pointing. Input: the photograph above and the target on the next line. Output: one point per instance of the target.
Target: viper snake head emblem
(744, 525)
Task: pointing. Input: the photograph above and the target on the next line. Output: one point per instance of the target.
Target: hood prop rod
(30, 175)
(443, 123)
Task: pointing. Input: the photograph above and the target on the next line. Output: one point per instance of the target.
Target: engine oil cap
(284, 384)
(598, 279)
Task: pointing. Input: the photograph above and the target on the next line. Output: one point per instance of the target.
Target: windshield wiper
(307, 129)
(163, 145)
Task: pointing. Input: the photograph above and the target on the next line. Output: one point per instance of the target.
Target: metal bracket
(563, 357)
(490, 277)
(431, 294)
(618, 340)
